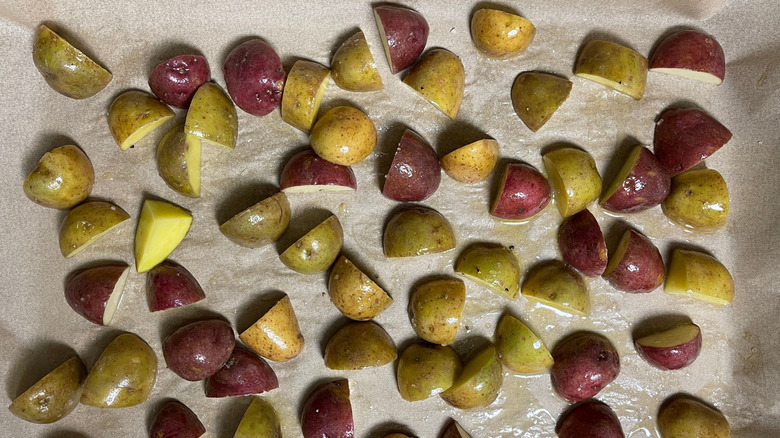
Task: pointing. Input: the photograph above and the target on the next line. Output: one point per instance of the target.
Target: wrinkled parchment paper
(737, 370)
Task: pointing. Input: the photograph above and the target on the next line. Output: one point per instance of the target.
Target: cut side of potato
(700, 276)
(134, 115)
(612, 65)
(161, 227)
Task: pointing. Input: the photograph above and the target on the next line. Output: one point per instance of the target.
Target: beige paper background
(736, 370)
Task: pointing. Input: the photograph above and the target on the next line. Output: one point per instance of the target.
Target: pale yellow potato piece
(259, 420)
(493, 266)
(276, 335)
(575, 179)
(86, 223)
(440, 78)
(161, 228)
(212, 116)
(134, 115)
(519, 348)
(698, 200)
(260, 224)
(303, 91)
(615, 66)
(435, 309)
(700, 276)
(63, 177)
(54, 396)
(178, 161)
(354, 293)
(500, 34)
(471, 163)
(343, 135)
(353, 67)
(479, 383)
(685, 417)
(558, 286)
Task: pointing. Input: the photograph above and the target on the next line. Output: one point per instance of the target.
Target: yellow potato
(615, 66)
(536, 96)
(354, 293)
(353, 67)
(161, 227)
(212, 116)
(500, 34)
(698, 200)
(259, 420)
(54, 396)
(686, 417)
(86, 223)
(575, 179)
(440, 78)
(260, 224)
(276, 335)
(473, 162)
(303, 91)
(178, 161)
(343, 135)
(558, 286)
(435, 308)
(417, 230)
(316, 250)
(699, 275)
(359, 345)
(134, 115)
(519, 348)
(479, 383)
(493, 266)
(63, 177)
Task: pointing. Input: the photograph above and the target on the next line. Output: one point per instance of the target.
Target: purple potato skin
(684, 137)
(244, 373)
(671, 358)
(255, 77)
(87, 290)
(523, 193)
(175, 420)
(170, 285)
(198, 350)
(328, 412)
(176, 80)
(691, 50)
(582, 244)
(590, 419)
(646, 186)
(415, 173)
(584, 363)
(306, 168)
(406, 32)
(641, 270)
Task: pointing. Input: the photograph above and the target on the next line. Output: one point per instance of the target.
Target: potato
(684, 137)
(161, 228)
(536, 96)
(499, 34)
(617, 67)
(95, 292)
(583, 364)
(353, 66)
(63, 177)
(636, 265)
(303, 93)
(255, 77)
(359, 345)
(582, 245)
(690, 54)
(123, 376)
(327, 411)
(86, 223)
(523, 192)
(425, 370)
(473, 162)
(276, 335)
(175, 81)
(415, 173)
(244, 373)
(698, 200)
(479, 383)
(454, 430)
(671, 349)
(199, 349)
(404, 33)
(440, 78)
(178, 161)
(134, 115)
(354, 293)
(686, 417)
(212, 116)
(519, 348)
(343, 135)
(558, 286)
(641, 183)
(317, 250)
(589, 419)
(492, 266)
(65, 68)
(175, 420)
(575, 179)
(170, 285)
(417, 230)
(259, 420)
(435, 308)
(260, 224)
(308, 172)
(52, 397)
(699, 275)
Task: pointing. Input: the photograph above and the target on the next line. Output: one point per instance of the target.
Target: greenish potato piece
(65, 68)
(178, 161)
(63, 177)
(303, 91)
(212, 116)
(536, 96)
(519, 348)
(316, 250)
(479, 383)
(353, 67)
(260, 224)
(52, 397)
(435, 308)
(612, 65)
(698, 200)
(259, 420)
(134, 115)
(425, 370)
(686, 417)
(86, 223)
(354, 293)
(440, 78)
(575, 179)
(558, 286)
(417, 230)
(493, 266)
(359, 345)
(123, 375)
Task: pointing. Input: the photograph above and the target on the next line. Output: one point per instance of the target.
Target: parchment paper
(737, 370)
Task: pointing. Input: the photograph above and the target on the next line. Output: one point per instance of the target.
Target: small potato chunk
(519, 348)
(687, 417)
(359, 345)
(198, 350)
(260, 224)
(440, 78)
(589, 419)
(134, 115)
(178, 161)
(353, 66)
(479, 383)
(536, 96)
(473, 162)
(354, 293)
(493, 266)
(582, 244)
(698, 200)
(85, 224)
(575, 179)
(276, 335)
(255, 77)
(523, 192)
(212, 116)
(259, 420)
(161, 228)
(584, 363)
(415, 172)
(671, 349)
(417, 230)
(612, 65)
(316, 250)
(54, 396)
(174, 419)
(500, 34)
(641, 183)
(636, 265)
(425, 370)
(558, 286)
(684, 137)
(63, 177)
(699, 275)
(175, 81)
(343, 135)
(690, 54)
(327, 411)
(435, 308)
(404, 33)
(303, 93)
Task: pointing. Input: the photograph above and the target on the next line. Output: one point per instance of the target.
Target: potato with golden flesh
(343, 135)
(473, 162)
(134, 115)
(575, 179)
(161, 228)
(499, 34)
(86, 223)
(353, 67)
(63, 177)
(303, 93)
(699, 275)
(440, 78)
(612, 65)
(276, 335)
(479, 383)
(54, 396)
(435, 308)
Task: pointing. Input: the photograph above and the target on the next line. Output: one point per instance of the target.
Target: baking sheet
(736, 370)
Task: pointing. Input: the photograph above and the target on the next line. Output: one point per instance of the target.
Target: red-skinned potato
(175, 420)
(641, 183)
(94, 293)
(583, 364)
(636, 265)
(255, 77)
(244, 373)
(415, 173)
(684, 137)
(198, 350)
(582, 245)
(404, 33)
(671, 349)
(307, 172)
(454, 430)
(589, 419)
(522, 193)
(690, 54)
(175, 80)
(328, 411)
(169, 285)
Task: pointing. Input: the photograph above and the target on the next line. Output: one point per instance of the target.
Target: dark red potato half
(176, 80)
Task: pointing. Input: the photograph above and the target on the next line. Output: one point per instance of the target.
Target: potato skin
(87, 290)
(355, 295)
(169, 285)
(690, 50)
(473, 162)
(198, 350)
(671, 357)
(327, 411)
(353, 67)
(582, 245)
(52, 397)
(584, 363)
(85, 223)
(522, 194)
(686, 417)
(175, 81)
(359, 345)
(244, 373)
(440, 78)
(63, 177)
(589, 419)
(255, 77)
(176, 420)
(644, 186)
(425, 370)
(698, 200)
(306, 168)
(343, 135)
(500, 34)
(684, 137)
(415, 173)
(435, 309)
(417, 230)
(640, 269)
(406, 33)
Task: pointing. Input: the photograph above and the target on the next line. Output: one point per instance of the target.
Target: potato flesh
(676, 336)
(700, 276)
(161, 227)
